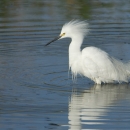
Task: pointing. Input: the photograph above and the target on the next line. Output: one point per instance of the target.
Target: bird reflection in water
(91, 106)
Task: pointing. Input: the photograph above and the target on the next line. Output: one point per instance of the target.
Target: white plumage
(92, 62)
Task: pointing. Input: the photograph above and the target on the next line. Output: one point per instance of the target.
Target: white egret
(91, 62)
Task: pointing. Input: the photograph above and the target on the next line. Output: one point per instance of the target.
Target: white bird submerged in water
(91, 62)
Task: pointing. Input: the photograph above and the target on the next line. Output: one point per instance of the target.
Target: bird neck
(75, 49)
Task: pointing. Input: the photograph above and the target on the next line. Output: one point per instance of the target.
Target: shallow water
(36, 92)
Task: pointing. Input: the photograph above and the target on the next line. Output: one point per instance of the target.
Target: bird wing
(97, 64)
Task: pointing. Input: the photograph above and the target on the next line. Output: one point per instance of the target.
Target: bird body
(92, 62)
(99, 67)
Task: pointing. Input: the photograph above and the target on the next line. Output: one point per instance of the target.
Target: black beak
(53, 40)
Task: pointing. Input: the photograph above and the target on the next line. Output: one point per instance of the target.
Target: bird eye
(62, 34)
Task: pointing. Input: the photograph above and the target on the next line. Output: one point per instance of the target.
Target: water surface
(36, 92)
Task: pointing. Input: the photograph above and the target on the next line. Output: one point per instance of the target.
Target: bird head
(72, 29)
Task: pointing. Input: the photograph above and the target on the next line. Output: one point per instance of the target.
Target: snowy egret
(91, 62)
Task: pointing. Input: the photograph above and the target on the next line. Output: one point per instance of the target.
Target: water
(35, 90)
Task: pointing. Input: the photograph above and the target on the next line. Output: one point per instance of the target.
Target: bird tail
(122, 70)
(128, 68)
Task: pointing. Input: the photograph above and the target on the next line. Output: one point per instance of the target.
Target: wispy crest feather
(77, 26)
